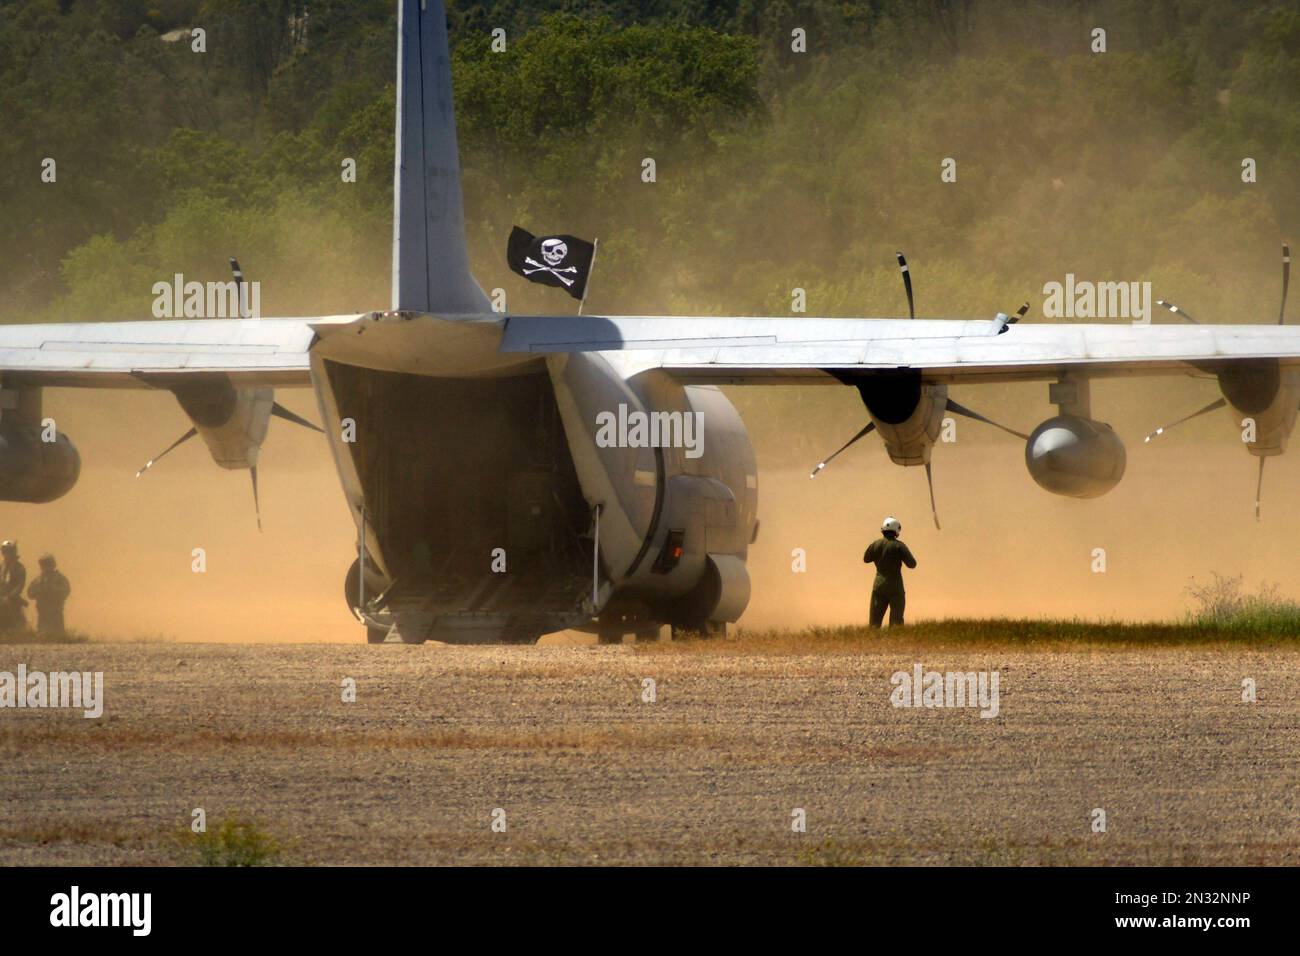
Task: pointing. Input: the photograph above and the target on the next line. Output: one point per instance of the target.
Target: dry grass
(742, 732)
(78, 736)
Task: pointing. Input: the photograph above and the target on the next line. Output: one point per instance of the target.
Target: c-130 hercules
(475, 433)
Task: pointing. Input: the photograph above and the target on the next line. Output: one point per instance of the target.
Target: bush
(238, 841)
(1224, 604)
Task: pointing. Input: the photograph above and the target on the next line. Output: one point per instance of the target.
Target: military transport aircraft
(467, 441)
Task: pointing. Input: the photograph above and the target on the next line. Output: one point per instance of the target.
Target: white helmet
(891, 524)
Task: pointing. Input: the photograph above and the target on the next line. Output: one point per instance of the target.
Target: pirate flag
(563, 261)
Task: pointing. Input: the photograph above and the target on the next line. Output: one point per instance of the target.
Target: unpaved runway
(711, 772)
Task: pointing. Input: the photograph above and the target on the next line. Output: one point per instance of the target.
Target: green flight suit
(50, 590)
(888, 555)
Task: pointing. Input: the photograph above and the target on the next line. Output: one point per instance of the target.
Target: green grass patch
(1222, 612)
(236, 841)
(1223, 604)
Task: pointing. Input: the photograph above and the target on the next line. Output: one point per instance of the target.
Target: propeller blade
(907, 284)
(279, 411)
(822, 464)
(239, 282)
(1163, 303)
(963, 410)
(180, 441)
(1259, 485)
(929, 480)
(1286, 281)
(1213, 406)
(1020, 314)
(257, 504)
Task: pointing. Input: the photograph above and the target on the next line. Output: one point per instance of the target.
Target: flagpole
(595, 248)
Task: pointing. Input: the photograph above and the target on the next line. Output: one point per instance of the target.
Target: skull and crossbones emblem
(554, 252)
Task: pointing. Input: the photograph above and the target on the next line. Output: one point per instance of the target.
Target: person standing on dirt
(889, 555)
(50, 590)
(13, 578)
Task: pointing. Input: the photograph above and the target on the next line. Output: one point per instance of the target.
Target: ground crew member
(889, 555)
(50, 590)
(13, 578)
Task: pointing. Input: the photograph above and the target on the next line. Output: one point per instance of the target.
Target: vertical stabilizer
(430, 261)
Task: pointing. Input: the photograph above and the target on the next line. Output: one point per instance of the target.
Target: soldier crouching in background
(13, 577)
(50, 591)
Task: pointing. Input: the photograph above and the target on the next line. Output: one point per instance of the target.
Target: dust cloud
(1183, 510)
(126, 543)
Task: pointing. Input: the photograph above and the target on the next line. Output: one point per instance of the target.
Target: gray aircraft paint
(430, 261)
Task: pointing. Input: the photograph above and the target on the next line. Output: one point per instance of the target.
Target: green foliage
(775, 169)
(1224, 604)
(237, 841)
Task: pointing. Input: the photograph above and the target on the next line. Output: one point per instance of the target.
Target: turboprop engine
(909, 411)
(1264, 400)
(37, 463)
(1262, 396)
(1075, 456)
(32, 469)
(232, 422)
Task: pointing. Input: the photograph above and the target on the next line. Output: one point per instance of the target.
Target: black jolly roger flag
(561, 261)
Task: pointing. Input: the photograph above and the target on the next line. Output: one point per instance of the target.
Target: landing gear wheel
(647, 635)
(609, 637)
(375, 635)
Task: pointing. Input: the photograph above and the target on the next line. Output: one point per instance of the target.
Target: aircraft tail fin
(430, 260)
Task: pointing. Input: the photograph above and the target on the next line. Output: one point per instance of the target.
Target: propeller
(1213, 406)
(1182, 314)
(239, 282)
(1259, 485)
(907, 284)
(1281, 312)
(257, 504)
(870, 426)
(1001, 322)
(279, 411)
(958, 409)
(1286, 282)
(180, 441)
(1220, 403)
(951, 406)
(929, 480)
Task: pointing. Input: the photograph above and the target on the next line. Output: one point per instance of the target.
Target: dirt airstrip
(712, 771)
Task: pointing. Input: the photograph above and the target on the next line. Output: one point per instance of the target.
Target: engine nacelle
(32, 470)
(231, 421)
(907, 412)
(1265, 398)
(1077, 457)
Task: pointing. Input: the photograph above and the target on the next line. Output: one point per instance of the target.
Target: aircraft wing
(817, 350)
(146, 354)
